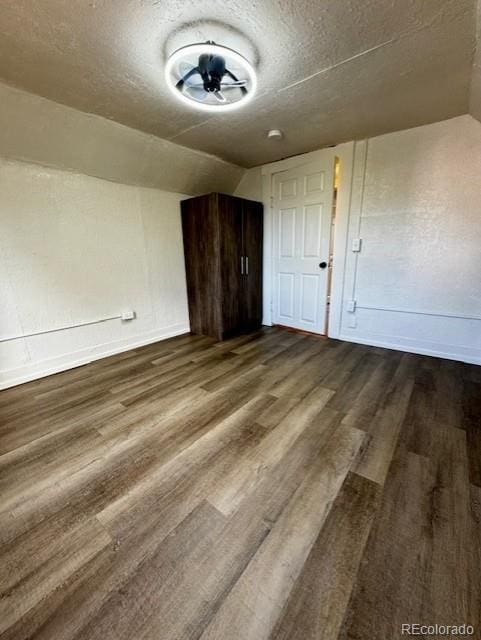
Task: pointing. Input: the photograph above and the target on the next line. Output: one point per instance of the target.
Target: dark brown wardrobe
(223, 262)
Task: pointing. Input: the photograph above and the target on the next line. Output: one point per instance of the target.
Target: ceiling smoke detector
(210, 77)
(275, 134)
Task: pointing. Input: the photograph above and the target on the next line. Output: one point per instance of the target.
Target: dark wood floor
(274, 486)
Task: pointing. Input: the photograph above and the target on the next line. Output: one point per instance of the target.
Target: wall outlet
(351, 306)
(352, 322)
(128, 314)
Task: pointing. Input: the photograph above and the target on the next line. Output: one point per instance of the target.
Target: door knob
(322, 265)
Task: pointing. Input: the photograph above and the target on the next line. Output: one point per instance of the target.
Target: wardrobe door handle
(242, 265)
(247, 265)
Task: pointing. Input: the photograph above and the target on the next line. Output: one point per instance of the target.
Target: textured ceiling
(39, 131)
(475, 97)
(328, 71)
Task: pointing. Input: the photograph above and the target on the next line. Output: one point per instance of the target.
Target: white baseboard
(33, 371)
(448, 352)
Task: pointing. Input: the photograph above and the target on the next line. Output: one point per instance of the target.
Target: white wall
(416, 204)
(414, 197)
(77, 249)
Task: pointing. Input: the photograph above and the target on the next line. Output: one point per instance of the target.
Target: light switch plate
(351, 306)
(356, 244)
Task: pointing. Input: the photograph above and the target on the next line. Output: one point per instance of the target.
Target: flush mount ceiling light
(210, 77)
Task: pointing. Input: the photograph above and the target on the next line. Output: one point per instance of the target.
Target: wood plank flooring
(276, 486)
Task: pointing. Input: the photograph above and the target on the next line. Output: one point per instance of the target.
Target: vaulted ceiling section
(328, 71)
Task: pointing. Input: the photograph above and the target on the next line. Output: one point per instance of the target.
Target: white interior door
(302, 203)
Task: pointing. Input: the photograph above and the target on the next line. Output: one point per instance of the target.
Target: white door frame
(299, 269)
(345, 153)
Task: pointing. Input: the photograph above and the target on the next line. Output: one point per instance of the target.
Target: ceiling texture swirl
(328, 72)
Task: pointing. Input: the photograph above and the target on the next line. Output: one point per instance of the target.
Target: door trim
(326, 166)
(345, 153)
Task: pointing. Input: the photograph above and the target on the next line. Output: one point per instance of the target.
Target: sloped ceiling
(475, 97)
(36, 130)
(328, 71)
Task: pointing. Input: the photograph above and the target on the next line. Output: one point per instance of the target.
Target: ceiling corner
(475, 87)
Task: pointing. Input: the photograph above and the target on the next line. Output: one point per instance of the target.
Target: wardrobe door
(252, 249)
(200, 226)
(232, 266)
